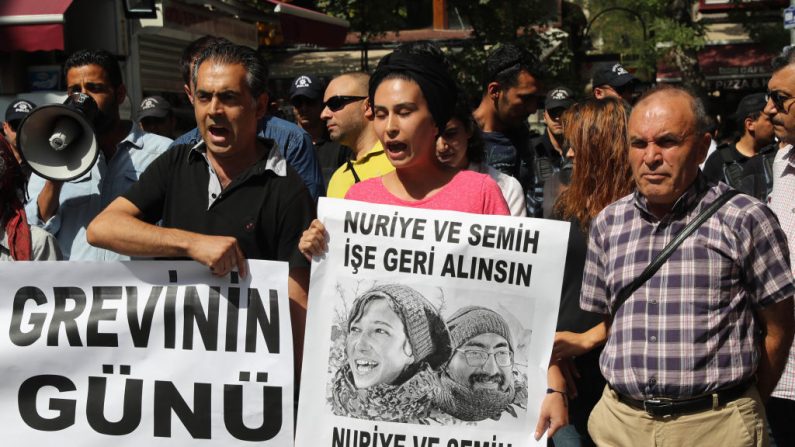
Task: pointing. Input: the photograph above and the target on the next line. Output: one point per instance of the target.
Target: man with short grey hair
(693, 351)
(229, 198)
(293, 142)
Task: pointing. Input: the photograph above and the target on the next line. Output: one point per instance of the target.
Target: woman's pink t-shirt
(468, 191)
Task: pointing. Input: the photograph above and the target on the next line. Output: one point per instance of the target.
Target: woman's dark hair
(463, 112)
(13, 182)
(426, 65)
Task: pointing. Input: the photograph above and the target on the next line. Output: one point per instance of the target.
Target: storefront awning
(32, 25)
(728, 67)
(300, 25)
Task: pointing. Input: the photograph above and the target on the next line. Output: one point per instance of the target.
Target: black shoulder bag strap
(655, 265)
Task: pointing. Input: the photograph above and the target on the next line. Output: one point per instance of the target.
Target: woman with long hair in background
(595, 133)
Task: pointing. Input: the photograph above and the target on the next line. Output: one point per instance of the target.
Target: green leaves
(367, 17)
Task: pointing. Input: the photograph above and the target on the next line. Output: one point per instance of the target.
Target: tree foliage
(525, 23)
(370, 18)
(672, 36)
(761, 23)
(367, 17)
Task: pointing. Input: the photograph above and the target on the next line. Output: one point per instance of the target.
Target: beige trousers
(738, 423)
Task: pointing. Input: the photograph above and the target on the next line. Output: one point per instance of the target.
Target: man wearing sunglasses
(478, 382)
(349, 123)
(780, 108)
(613, 80)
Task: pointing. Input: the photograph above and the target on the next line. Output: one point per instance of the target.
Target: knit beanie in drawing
(472, 321)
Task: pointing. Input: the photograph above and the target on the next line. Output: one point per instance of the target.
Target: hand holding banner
(144, 353)
(429, 328)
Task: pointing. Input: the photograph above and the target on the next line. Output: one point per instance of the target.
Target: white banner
(428, 328)
(144, 353)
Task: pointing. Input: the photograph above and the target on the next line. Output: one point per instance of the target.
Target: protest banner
(151, 353)
(428, 328)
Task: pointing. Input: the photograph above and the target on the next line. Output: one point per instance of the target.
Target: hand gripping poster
(428, 328)
(144, 353)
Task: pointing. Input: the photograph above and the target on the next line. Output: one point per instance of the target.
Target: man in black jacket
(726, 163)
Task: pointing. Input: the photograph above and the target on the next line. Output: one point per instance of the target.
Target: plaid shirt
(782, 202)
(690, 329)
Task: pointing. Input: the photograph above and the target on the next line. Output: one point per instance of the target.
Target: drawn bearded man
(479, 382)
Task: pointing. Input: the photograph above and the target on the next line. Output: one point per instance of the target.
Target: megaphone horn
(58, 140)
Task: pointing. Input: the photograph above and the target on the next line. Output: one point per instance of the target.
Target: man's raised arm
(119, 228)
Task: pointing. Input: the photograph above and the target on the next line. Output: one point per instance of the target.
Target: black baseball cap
(612, 74)
(749, 105)
(18, 109)
(307, 86)
(559, 98)
(154, 106)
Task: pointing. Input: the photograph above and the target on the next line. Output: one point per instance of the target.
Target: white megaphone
(58, 140)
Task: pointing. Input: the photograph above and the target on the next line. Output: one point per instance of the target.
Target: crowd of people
(676, 314)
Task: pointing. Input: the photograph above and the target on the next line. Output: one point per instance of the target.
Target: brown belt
(661, 406)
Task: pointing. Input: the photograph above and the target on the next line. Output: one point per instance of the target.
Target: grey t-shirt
(44, 246)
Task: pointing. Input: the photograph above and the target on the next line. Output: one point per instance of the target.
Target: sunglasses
(778, 99)
(336, 103)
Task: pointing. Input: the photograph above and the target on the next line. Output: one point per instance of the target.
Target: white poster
(428, 328)
(144, 353)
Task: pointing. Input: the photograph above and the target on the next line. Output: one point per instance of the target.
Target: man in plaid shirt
(779, 107)
(693, 352)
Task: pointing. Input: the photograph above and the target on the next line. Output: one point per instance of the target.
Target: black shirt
(724, 156)
(510, 154)
(547, 161)
(590, 382)
(266, 212)
(745, 174)
(570, 316)
(758, 172)
(543, 148)
(330, 156)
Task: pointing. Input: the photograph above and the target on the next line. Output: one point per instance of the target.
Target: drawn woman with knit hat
(395, 337)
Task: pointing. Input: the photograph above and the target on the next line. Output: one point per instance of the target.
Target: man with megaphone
(81, 163)
(229, 198)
